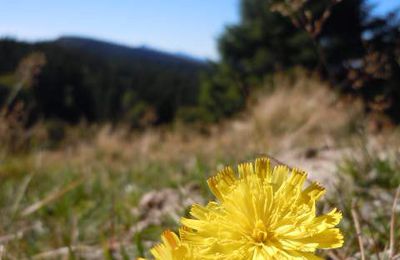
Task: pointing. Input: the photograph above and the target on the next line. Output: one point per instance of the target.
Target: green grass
(94, 212)
(368, 187)
(97, 213)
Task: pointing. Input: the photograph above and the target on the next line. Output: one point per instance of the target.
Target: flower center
(260, 236)
(260, 233)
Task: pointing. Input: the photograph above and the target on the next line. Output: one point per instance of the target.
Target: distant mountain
(114, 50)
(99, 80)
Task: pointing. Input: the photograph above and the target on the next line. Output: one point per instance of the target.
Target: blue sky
(382, 6)
(186, 26)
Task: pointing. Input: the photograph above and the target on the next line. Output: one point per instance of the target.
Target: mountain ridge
(101, 47)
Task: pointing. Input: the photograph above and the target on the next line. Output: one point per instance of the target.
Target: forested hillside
(76, 78)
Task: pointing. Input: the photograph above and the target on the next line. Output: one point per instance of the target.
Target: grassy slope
(85, 198)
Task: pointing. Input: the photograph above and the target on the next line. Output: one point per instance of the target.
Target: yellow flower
(262, 213)
(172, 248)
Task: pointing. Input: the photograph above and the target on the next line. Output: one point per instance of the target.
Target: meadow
(107, 191)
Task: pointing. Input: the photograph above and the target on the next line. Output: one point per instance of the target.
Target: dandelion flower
(262, 213)
(171, 248)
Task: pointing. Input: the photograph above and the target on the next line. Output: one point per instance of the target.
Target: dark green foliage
(99, 81)
(221, 95)
(265, 42)
(341, 37)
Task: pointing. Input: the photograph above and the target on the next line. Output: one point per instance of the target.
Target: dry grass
(299, 114)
